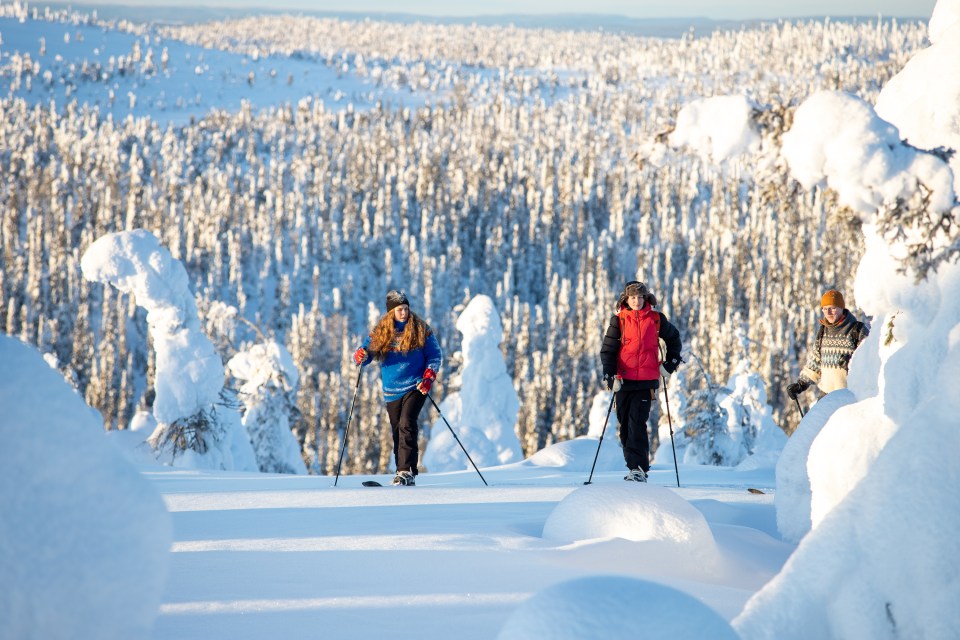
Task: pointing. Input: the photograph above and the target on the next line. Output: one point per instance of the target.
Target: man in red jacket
(632, 368)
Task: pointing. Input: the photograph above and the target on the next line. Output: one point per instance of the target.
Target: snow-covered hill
(139, 73)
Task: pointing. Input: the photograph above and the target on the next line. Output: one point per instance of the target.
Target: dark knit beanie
(395, 299)
(832, 298)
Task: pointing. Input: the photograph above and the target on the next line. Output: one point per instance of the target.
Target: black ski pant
(403, 421)
(633, 410)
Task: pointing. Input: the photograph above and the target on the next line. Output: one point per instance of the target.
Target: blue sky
(727, 9)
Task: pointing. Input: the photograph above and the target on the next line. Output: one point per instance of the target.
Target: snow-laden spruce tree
(883, 547)
(705, 426)
(699, 422)
(749, 418)
(486, 403)
(194, 429)
(750, 421)
(717, 425)
(268, 394)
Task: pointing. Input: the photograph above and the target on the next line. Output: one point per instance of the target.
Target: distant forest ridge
(649, 27)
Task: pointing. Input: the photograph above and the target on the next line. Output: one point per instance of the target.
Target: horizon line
(77, 5)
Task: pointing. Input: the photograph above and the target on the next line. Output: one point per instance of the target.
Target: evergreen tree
(267, 392)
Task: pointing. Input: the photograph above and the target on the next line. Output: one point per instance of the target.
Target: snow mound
(133, 446)
(613, 608)
(84, 538)
(844, 452)
(639, 513)
(793, 496)
(143, 422)
(885, 559)
(578, 454)
(444, 454)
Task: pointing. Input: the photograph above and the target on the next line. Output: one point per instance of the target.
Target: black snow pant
(403, 421)
(633, 410)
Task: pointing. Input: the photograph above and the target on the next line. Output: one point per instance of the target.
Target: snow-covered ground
(258, 556)
(261, 555)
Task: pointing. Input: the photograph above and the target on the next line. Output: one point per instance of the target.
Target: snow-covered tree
(705, 428)
(897, 578)
(486, 403)
(194, 429)
(749, 419)
(268, 395)
(699, 422)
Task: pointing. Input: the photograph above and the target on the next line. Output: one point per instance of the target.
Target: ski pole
(456, 438)
(666, 398)
(597, 454)
(799, 408)
(346, 431)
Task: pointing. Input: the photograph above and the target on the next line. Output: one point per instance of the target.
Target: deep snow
(256, 555)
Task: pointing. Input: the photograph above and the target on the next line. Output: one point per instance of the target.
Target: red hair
(384, 337)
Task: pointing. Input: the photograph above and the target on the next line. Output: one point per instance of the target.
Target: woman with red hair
(410, 357)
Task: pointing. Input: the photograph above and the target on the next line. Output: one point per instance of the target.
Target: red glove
(428, 377)
(360, 356)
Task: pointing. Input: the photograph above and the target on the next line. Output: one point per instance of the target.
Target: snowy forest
(536, 167)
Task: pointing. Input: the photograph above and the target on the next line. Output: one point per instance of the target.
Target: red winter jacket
(639, 357)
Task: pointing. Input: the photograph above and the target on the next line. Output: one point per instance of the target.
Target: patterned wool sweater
(829, 359)
(401, 372)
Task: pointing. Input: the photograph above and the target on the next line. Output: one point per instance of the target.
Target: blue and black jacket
(401, 372)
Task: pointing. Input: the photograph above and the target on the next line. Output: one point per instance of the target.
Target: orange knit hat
(832, 298)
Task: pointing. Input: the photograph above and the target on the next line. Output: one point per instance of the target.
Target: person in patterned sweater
(410, 357)
(838, 337)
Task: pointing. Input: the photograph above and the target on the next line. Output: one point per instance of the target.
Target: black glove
(672, 365)
(798, 387)
(613, 383)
